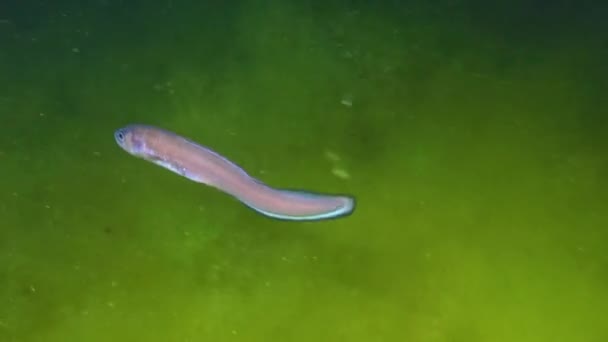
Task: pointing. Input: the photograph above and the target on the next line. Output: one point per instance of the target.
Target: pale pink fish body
(203, 165)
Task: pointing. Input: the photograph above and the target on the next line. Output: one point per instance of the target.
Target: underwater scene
(303, 171)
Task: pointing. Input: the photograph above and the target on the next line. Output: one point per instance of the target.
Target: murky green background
(474, 137)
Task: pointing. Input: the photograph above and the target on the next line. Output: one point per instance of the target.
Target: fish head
(128, 139)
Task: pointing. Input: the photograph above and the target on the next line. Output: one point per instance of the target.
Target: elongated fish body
(203, 165)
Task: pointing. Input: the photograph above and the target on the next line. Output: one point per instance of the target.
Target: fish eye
(120, 136)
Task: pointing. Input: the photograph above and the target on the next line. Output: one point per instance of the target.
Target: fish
(200, 164)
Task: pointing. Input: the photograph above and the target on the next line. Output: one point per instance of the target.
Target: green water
(473, 136)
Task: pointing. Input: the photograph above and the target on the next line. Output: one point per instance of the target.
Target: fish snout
(120, 136)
